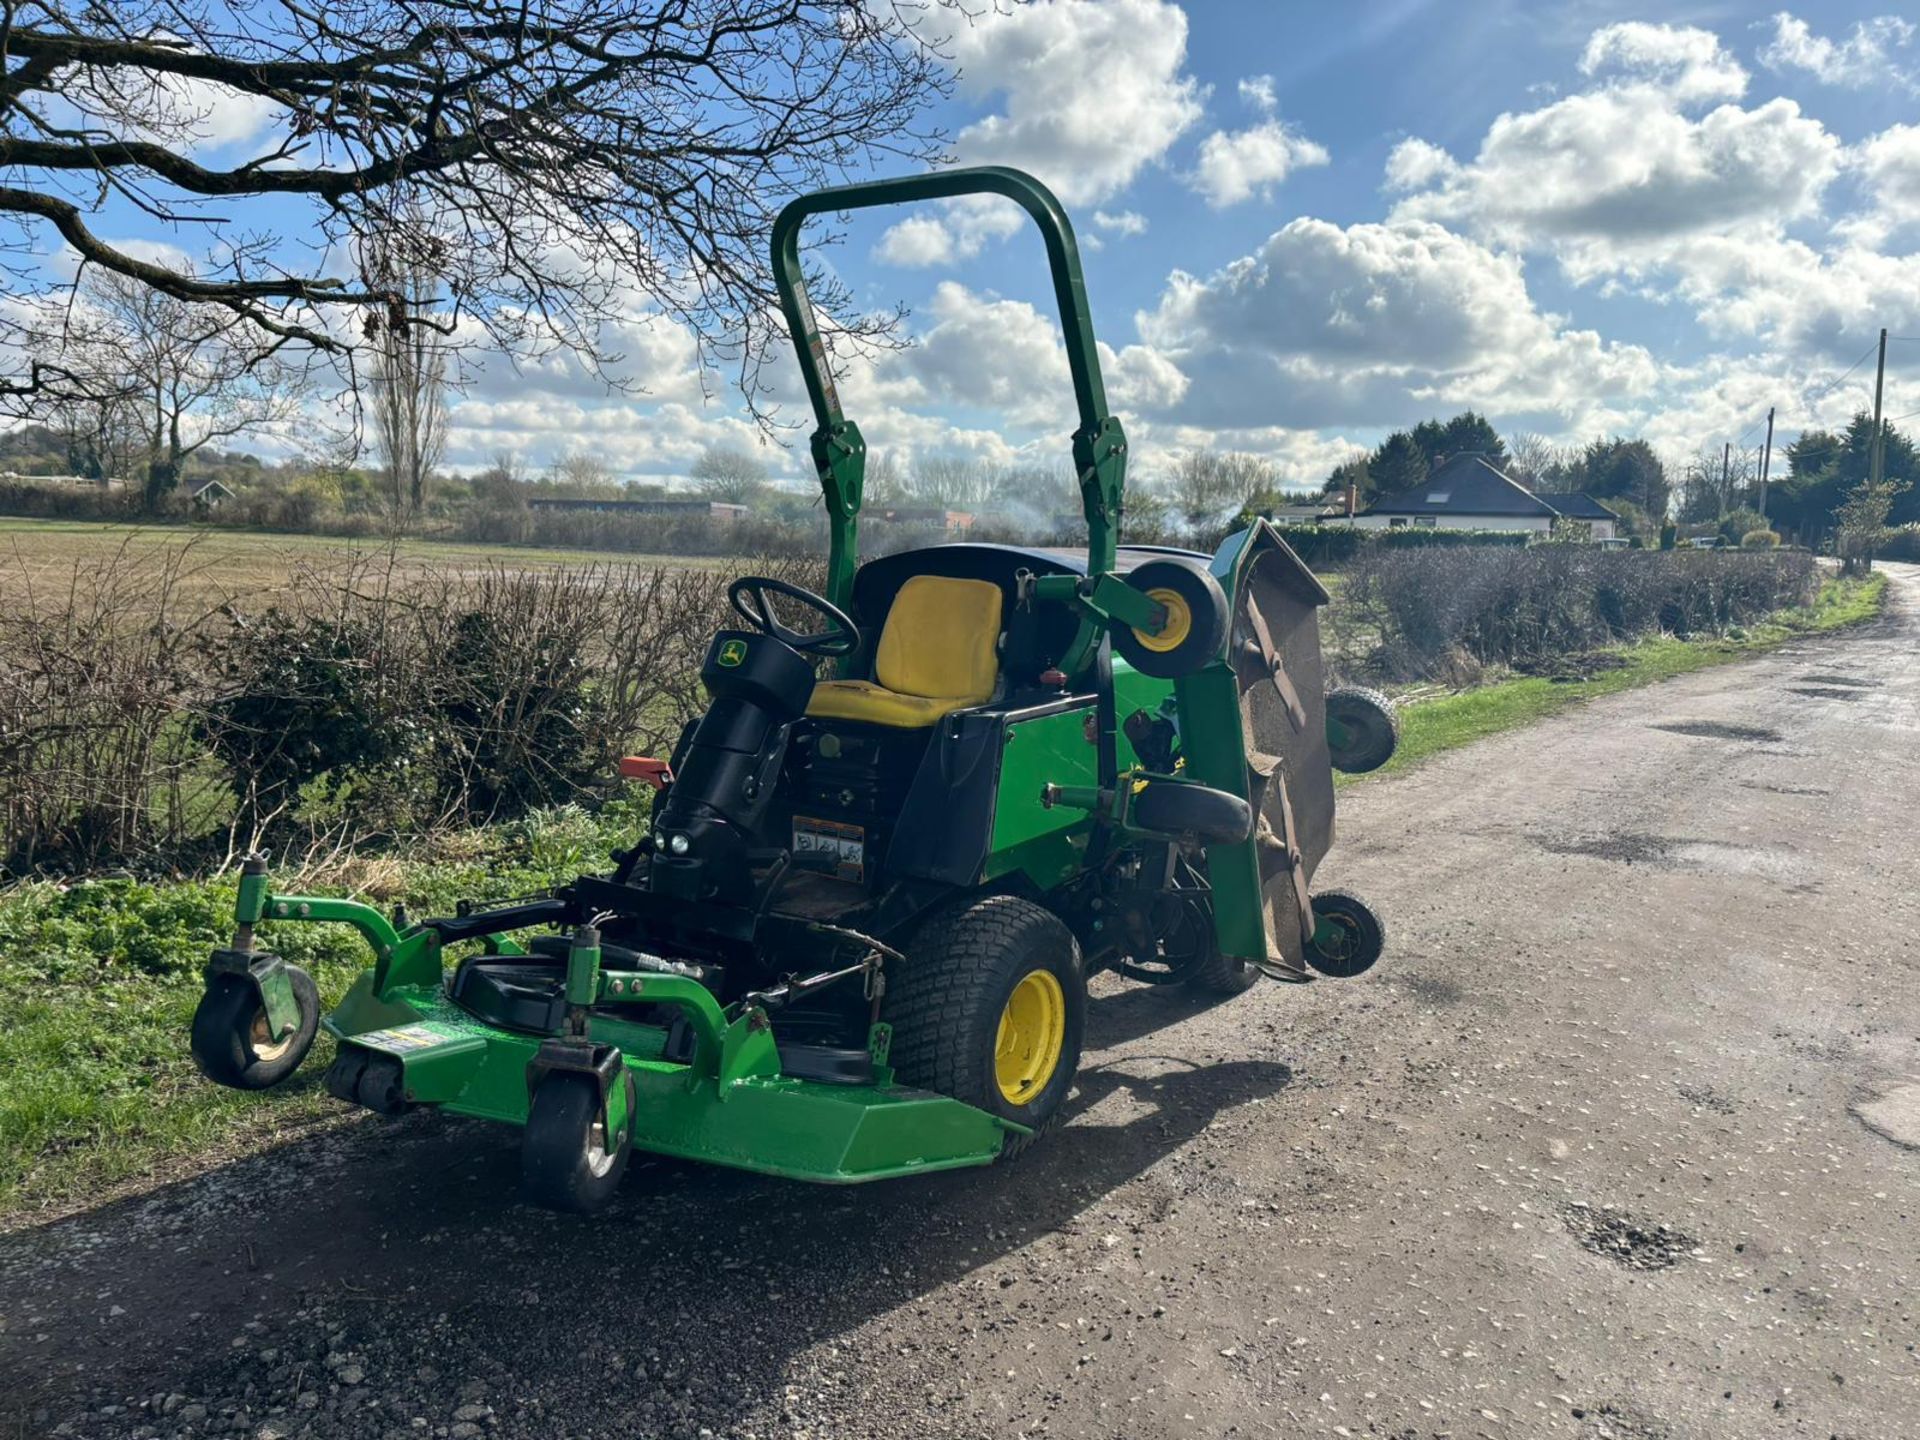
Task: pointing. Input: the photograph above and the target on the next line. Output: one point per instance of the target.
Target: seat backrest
(939, 639)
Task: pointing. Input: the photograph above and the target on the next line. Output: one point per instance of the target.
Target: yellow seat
(936, 656)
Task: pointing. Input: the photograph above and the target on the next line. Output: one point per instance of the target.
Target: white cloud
(1238, 165)
(1006, 357)
(1258, 91)
(1888, 165)
(1371, 323)
(1626, 181)
(1864, 58)
(1121, 222)
(1688, 64)
(1091, 92)
(917, 240)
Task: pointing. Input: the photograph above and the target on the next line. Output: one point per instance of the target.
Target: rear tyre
(567, 1160)
(232, 1042)
(1348, 936)
(1196, 625)
(1362, 732)
(990, 1009)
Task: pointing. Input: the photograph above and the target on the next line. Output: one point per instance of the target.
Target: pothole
(1786, 789)
(1827, 692)
(1678, 852)
(1624, 1239)
(1894, 1116)
(1630, 849)
(1707, 1098)
(1611, 1421)
(1847, 680)
(1431, 989)
(1720, 730)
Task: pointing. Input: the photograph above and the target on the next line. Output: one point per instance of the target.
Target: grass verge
(1431, 727)
(99, 979)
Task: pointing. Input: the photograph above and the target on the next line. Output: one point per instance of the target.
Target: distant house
(1470, 492)
(930, 517)
(722, 510)
(208, 493)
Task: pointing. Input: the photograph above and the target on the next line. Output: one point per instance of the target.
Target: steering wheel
(748, 596)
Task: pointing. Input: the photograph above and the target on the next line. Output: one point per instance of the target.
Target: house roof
(207, 486)
(1464, 485)
(1577, 506)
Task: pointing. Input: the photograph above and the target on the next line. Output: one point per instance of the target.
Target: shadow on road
(410, 1238)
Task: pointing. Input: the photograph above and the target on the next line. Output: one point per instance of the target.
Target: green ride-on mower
(856, 941)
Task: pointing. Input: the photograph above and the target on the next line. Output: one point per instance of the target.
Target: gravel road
(1620, 1140)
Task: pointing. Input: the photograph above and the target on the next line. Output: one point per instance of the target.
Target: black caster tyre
(1348, 936)
(231, 1042)
(1362, 732)
(1211, 816)
(990, 1008)
(1196, 625)
(567, 1160)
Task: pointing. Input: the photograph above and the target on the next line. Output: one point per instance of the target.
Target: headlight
(679, 845)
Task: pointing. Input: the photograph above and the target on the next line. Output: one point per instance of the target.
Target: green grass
(98, 980)
(1431, 727)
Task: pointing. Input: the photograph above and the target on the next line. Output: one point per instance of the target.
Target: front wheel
(232, 1043)
(1348, 936)
(990, 1008)
(568, 1161)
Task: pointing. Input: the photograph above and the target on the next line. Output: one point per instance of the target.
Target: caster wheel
(567, 1160)
(232, 1043)
(343, 1076)
(382, 1086)
(1362, 733)
(1196, 624)
(1348, 937)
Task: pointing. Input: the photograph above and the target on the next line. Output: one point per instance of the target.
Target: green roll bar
(839, 452)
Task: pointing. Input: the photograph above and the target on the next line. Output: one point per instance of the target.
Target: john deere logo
(732, 653)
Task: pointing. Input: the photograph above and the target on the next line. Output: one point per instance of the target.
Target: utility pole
(1726, 463)
(1766, 463)
(1879, 385)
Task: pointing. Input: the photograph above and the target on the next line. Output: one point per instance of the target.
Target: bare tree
(951, 481)
(885, 484)
(581, 475)
(570, 159)
(728, 473)
(1535, 461)
(408, 373)
(192, 374)
(1210, 484)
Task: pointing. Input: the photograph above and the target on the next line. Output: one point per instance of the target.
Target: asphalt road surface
(1618, 1141)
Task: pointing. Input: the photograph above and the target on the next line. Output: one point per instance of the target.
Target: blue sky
(1308, 224)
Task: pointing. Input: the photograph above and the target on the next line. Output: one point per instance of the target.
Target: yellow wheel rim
(1033, 1032)
(1179, 622)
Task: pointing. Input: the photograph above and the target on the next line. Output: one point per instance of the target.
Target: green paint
(730, 1106)
(839, 453)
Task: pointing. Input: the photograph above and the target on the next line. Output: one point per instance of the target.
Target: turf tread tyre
(223, 1040)
(1217, 974)
(1373, 713)
(946, 1002)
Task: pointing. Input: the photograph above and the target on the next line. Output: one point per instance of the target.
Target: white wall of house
(1534, 524)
